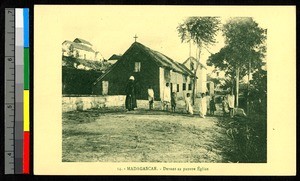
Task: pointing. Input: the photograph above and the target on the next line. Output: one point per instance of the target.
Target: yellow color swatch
(26, 110)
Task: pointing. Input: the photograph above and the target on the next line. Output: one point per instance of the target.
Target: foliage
(72, 62)
(216, 81)
(201, 30)
(258, 92)
(259, 84)
(249, 136)
(77, 81)
(244, 43)
(228, 83)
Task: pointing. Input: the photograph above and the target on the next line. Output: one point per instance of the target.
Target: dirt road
(143, 136)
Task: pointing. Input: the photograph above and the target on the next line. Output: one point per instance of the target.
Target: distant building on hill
(80, 49)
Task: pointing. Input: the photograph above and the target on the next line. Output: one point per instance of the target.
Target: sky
(111, 28)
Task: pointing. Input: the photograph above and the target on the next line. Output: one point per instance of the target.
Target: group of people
(207, 103)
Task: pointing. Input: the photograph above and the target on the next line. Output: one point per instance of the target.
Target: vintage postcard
(164, 90)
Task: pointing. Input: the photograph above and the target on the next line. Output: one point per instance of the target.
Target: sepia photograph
(193, 89)
(164, 90)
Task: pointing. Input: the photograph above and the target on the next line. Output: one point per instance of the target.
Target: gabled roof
(115, 57)
(160, 59)
(79, 46)
(195, 61)
(163, 60)
(79, 40)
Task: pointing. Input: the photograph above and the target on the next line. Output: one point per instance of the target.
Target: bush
(77, 81)
(249, 137)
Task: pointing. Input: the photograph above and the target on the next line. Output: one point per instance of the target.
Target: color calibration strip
(22, 91)
(26, 138)
(17, 147)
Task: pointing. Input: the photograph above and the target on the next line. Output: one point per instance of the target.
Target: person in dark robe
(212, 106)
(130, 102)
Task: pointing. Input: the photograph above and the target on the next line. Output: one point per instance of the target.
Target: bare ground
(143, 136)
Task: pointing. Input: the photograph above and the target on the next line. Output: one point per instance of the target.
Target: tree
(201, 31)
(244, 49)
(258, 90)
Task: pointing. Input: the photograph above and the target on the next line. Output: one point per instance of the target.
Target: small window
(184, 86)
(177, 87)
(137, 67)
(190, 86)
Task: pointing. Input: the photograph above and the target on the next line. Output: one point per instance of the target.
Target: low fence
(77, 102)
(84, 102)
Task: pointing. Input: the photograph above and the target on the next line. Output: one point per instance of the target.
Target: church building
(150, 68)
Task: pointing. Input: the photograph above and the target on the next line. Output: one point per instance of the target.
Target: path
(142, 136)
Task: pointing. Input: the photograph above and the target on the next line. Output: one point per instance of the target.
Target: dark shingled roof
(164, 61)
(79, 40)
(160, 59)
(79, 46)
(115, 57)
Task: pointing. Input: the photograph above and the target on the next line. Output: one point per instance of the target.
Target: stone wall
(81, 103)
(72, 103)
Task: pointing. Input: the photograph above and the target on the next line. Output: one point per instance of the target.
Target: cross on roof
(135, 37)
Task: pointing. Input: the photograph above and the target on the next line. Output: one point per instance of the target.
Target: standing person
(130, 101)
(150, 97)
(212, 106)
(207, 102)
(202, 103)
(188, 105)
(224, 106)
(173, 101)
(166, 97)
(230, 100)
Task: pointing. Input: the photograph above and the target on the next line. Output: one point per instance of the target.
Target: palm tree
(201, 31)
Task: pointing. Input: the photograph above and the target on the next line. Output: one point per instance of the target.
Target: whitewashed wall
(99, 102)
(176, 78)
(91, 102)
(201, 82)
(89, 55)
